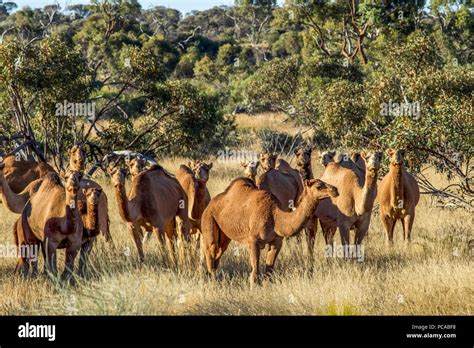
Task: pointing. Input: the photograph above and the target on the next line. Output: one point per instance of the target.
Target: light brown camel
(398, 196)
(77, 159)
(357, 193)
(51, 218)
(193, 180)
(254, 217)
(250, 169)
(326, 212)
(19, 172)
(154, 201)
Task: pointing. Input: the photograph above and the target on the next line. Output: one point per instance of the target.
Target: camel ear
(210, 165)
(309, 182)
(332, 154)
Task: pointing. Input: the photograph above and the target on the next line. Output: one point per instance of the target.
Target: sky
(184, 6)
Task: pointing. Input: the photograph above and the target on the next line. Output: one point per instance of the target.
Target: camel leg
(34, 262)
(183, 225)
(71, 253)
(50, 263)
(104, 224)
(311, 230)
(254, 251)
(135, 231)
(224, 242)
(344, 231)
(86, 249)
(407, 226)
(361, 231)
(389, 226)
(272, 254)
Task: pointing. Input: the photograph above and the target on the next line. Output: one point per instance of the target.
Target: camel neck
(367, 193)
(306, 172)
(123, 203)
(396, 187)
(12, 201)
(288, 224)
(92, 217)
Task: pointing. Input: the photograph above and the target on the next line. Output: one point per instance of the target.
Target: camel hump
(54, 178)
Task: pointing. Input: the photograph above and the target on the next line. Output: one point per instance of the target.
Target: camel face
(319, 189)
(396, 157)
(303, 156)
(118, 176)
(136, 165)
(327, 157)
(201, 170)
(77, 158)
(267, 161)
(72, 181)
(250, 168)
(93, 195)
(372, 160)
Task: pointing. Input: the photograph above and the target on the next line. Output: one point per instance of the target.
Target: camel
(154, 200)
(77, 158)
(19, 172)
(357, 193)
(51, 218)
(250, 169)
(326, 212)
(248, 215)
(193, 181)
(398, 196)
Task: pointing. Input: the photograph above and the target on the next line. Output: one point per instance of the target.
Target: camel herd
(272, 201)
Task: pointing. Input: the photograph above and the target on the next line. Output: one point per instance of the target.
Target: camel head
(303, 156)
(250, 168)
(355, 156)
(117, 175)
(268, 161)
(372, 160)
(327, 157)
(318, 189)
(136, 165)
(93, 195)
(72, 181)
(201, 170)
(396, 157)
(77, 158)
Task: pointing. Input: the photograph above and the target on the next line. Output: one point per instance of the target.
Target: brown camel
(254, 217)
(193, 181)
(357, 193)
(154, 201)
(250, 169)
(398, 196)
(51, 218)
(77, 159)
(326, 212)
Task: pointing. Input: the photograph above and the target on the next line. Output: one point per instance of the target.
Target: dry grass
(431, 277)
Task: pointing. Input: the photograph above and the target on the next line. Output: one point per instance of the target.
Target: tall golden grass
(432, 276)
